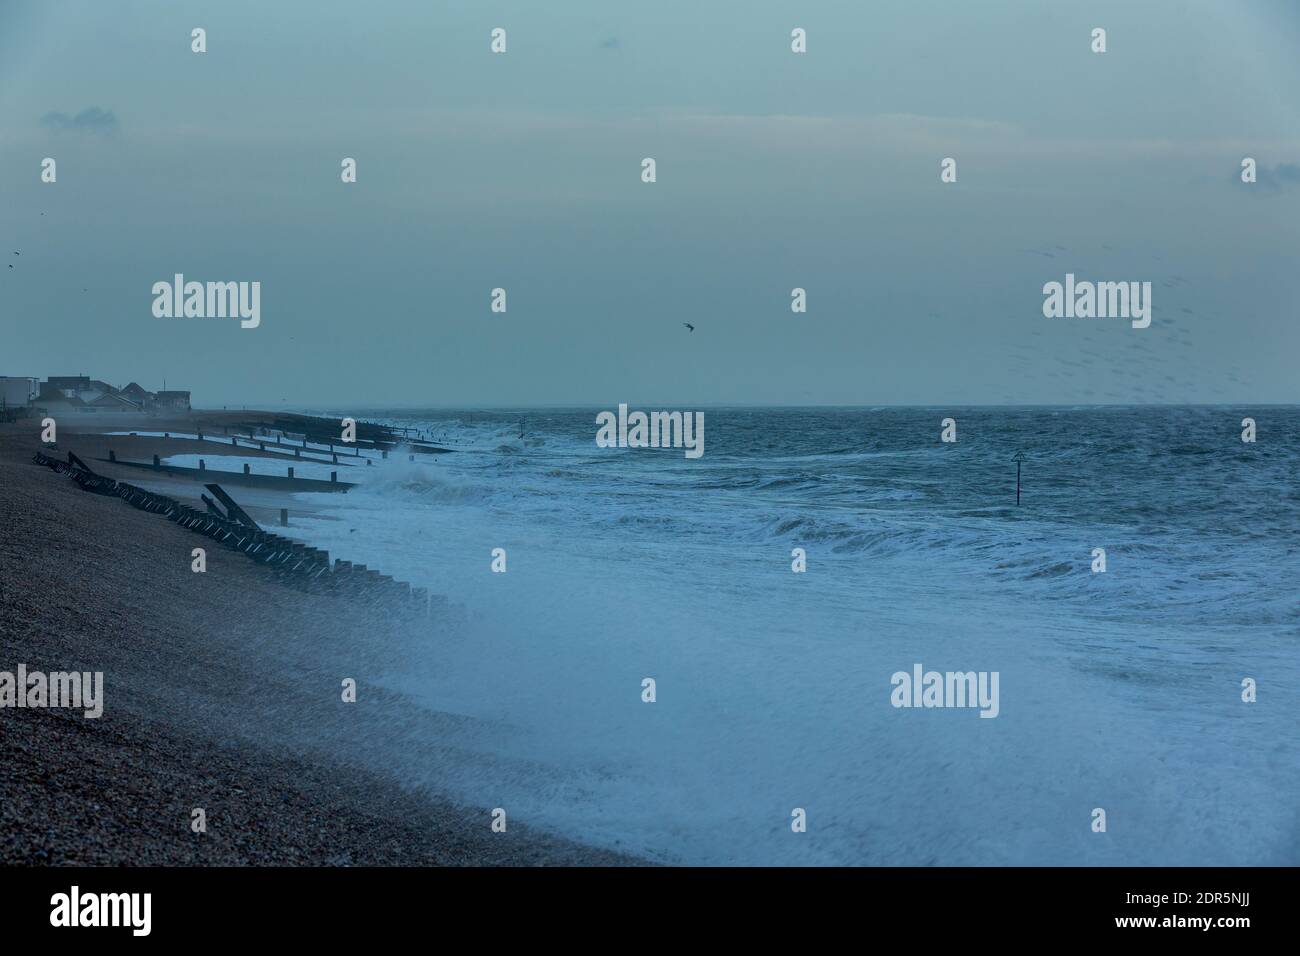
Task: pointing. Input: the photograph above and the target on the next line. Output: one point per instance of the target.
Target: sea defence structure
(325, 431)
(297, 565)
(236, 478)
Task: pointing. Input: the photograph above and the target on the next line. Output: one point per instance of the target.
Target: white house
(18, 392)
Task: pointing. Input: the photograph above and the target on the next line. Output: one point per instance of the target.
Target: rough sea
(1119, 690)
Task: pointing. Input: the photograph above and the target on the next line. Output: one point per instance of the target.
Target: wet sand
(222, 691)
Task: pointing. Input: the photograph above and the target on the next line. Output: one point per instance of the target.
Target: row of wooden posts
(299, 565)
(297, 451)
(203, 466)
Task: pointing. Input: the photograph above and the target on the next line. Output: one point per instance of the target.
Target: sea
(1163, 691)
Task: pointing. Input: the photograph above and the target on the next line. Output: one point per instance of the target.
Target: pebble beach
(221, 693)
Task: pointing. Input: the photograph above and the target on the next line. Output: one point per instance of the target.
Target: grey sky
(775, 170)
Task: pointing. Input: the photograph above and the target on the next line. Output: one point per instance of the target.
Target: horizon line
(570, 406)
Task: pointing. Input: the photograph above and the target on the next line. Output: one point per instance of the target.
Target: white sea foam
(774, 688)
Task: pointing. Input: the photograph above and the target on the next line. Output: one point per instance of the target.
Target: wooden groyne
(254, 439)
(287, 483)
(300, 451)
(325, 431)
(297, 565)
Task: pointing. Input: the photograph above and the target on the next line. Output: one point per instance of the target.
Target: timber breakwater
(326, 431)
(296, 565)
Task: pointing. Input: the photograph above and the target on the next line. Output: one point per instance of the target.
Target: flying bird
(687, 324)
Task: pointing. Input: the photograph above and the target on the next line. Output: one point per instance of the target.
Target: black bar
(975, 908)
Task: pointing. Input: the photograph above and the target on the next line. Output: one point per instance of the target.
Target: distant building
(54, 402)
(81, 394)
(96, 391)
(64, 385)
(172, 401)
(76, 386)
(135, 393)
(16, 392)
(112, 402)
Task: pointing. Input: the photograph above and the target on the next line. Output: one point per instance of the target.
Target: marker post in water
(1020, 457)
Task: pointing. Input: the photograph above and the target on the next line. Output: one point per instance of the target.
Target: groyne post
(284, 515)
(1020, 457)
(236, 512)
